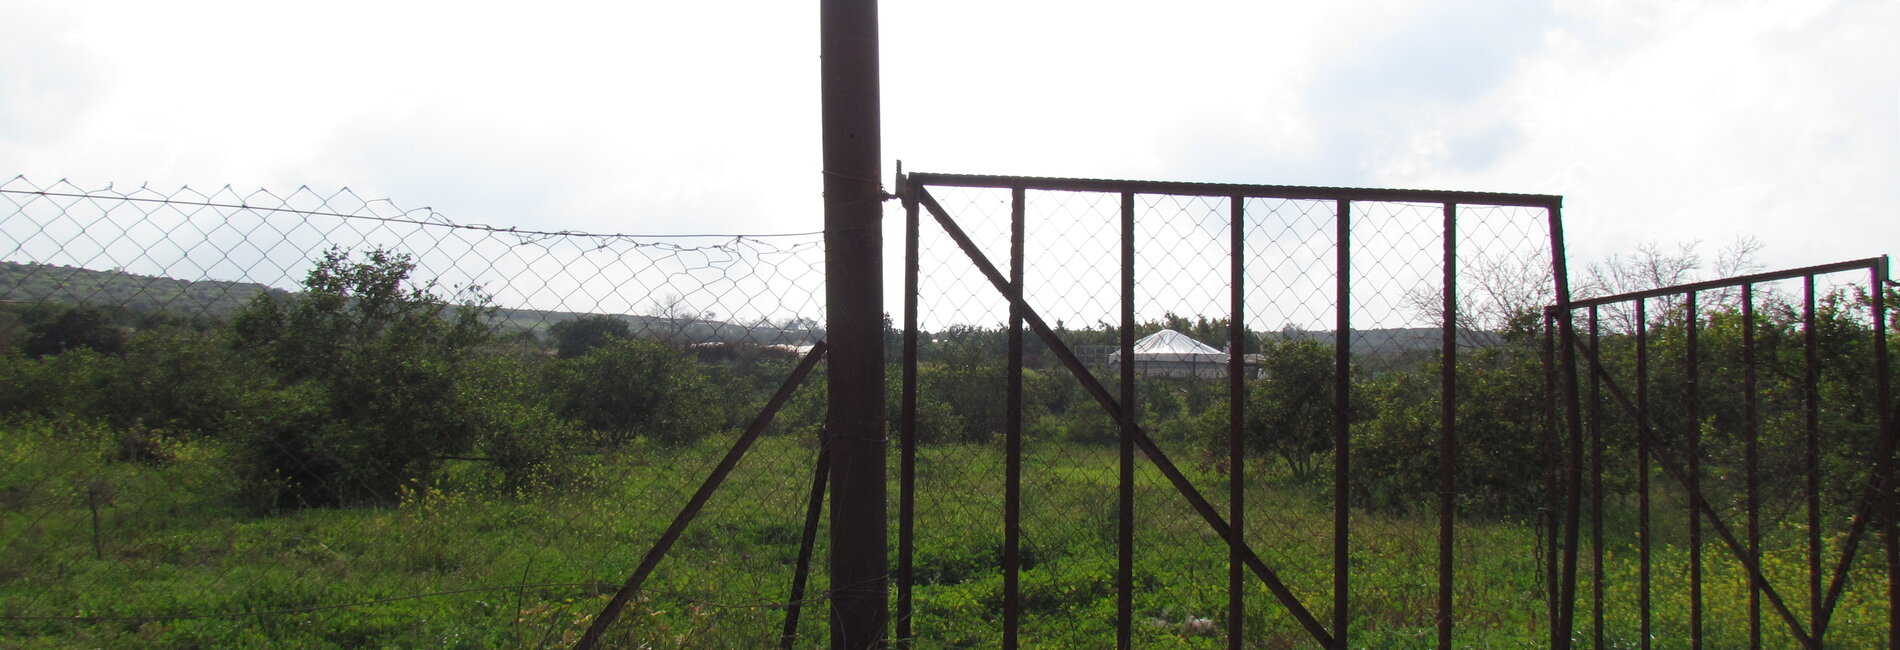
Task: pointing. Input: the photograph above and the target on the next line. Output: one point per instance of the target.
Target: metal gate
(1762, 398)
(1374, 278)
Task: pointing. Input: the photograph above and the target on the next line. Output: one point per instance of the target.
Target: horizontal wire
(419, 222)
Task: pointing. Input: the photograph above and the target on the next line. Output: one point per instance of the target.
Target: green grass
(467, 563)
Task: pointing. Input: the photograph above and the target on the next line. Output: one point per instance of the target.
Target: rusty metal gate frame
(914, 191)
(1877, 501)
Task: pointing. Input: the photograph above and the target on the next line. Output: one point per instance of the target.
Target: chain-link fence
(1105, 538)
(311, 419)
(247, 419)
(1732, 443)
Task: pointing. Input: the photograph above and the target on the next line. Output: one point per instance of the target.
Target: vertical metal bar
(1553, 458)
(1642, 472)
(1342, 423)
(1596, 486)
(1694, 432)
(806, 541)
(1236, 421)
(1573, 423)
(1125, 530)
(907, 463)
(1811, 405)
(1169, 471)
(1448, 426)
(1751, 432)
(854, 309)
(1884, 465)
(1013, 433)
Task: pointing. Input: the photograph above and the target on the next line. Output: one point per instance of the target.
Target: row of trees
(363, 383)
(366, 381)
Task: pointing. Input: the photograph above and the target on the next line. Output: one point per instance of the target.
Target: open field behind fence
(312, 420)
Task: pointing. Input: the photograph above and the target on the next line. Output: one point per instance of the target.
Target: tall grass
(181, 561)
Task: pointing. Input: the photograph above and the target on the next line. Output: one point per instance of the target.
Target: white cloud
(1657, 121)
(1679, 122)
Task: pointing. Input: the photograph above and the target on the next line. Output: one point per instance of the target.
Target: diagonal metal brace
(1677, 472)
(706, 489)
(1200, 504)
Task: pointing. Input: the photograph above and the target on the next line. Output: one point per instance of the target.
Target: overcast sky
(1664, 121)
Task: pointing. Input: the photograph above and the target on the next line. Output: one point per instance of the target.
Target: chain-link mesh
(309, 419)
(1762, 396)
(1182, 296)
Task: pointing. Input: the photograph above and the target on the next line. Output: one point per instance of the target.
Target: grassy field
(102, 553)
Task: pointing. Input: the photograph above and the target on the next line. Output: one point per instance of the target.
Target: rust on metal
(854, 311)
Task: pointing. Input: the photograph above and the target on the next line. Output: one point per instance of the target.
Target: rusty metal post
(1642, 470)
(1342, 421)
(1013, 434)
(1553, 460)
(1573, 424)
(1751, 432)
(1448, 428)
(854, 310)
(1884, 465)
(1596, 485)
(1694, 431)
(1811, 416)
(1125, 517)
(1236, 420)
(907, 463)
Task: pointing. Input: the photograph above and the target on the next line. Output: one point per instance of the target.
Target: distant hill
(29, 284)
(689, 330)
(1398, 339)
(41, 283)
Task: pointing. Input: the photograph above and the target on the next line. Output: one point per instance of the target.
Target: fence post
(854, 309)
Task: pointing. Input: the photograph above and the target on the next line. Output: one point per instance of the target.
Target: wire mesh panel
(1291, 263)
(1733, 433)
(311, 419)
(1343, 346)
(959, 433)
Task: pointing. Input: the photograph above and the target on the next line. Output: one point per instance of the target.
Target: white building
(1168, 353)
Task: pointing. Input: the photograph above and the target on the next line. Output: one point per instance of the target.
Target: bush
(75, 327)
(634, 387)
(1500, 464)
(573, 338)
(367, 382)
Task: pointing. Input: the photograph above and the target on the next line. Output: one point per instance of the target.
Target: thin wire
(441, 223)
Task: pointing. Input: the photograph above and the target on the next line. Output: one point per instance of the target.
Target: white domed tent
(1168, 353)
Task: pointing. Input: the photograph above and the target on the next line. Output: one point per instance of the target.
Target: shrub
(573, 338)
(634, 387)
(74, 327)
(368, 389)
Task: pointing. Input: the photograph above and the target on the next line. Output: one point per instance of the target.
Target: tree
(676, 318)
(637, 387)
(77, 326)
(370, 387)
(573, 338)
(1290, 414)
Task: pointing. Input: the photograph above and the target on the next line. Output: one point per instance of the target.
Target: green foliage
(1290, 409)
(635, 387)
(118, 290)
(1500, 436)
(369, 383)
(72, 328)
(573, 338)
